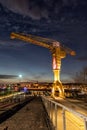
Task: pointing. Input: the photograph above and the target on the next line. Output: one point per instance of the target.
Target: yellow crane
(58, 51)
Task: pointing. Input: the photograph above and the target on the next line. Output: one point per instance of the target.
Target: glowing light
(20, 76)
(54, 63)
(56, 44)
(25, 89)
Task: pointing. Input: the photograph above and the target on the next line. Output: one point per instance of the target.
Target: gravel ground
(30, 117)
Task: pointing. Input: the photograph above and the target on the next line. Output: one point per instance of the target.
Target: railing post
(64, 120)
(56, 124)
(51, 115)
(85, 124)
(49, 108)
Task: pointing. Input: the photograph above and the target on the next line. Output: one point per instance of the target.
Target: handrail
(52, 107)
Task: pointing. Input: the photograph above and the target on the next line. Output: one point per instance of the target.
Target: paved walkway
(30, 117)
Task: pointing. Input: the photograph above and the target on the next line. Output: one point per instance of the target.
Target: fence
(64, 118)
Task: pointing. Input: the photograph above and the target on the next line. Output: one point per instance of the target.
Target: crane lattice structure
(58, 51)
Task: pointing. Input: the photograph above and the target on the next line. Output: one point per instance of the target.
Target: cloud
(8, 76)
(82, 58)
(26, 7)
(42, 76)
(16, 5)
(70, 2)
(37, 9)
(16, 45)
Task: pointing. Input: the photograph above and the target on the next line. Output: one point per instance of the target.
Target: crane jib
(30, 40)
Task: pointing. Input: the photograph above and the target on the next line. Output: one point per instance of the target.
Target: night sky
(62, 20)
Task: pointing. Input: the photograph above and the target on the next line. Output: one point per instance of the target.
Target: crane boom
(44, 42)
(30, 39)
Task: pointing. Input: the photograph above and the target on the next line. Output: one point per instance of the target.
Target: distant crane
(58, 51)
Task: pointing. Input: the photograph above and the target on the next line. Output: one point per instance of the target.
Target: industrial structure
(58, 51)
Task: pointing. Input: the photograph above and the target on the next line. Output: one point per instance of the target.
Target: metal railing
(64, 118)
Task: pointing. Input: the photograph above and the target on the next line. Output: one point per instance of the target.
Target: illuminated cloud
(16, 5)
(26, 7)
(37, 9)
(40, 77)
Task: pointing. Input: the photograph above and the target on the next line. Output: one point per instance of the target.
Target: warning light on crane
(58, 52)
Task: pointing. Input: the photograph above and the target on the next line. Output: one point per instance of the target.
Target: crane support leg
(57, 85)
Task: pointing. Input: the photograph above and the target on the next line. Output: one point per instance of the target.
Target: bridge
(42, 112)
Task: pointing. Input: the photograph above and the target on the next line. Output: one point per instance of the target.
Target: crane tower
(58, 51)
